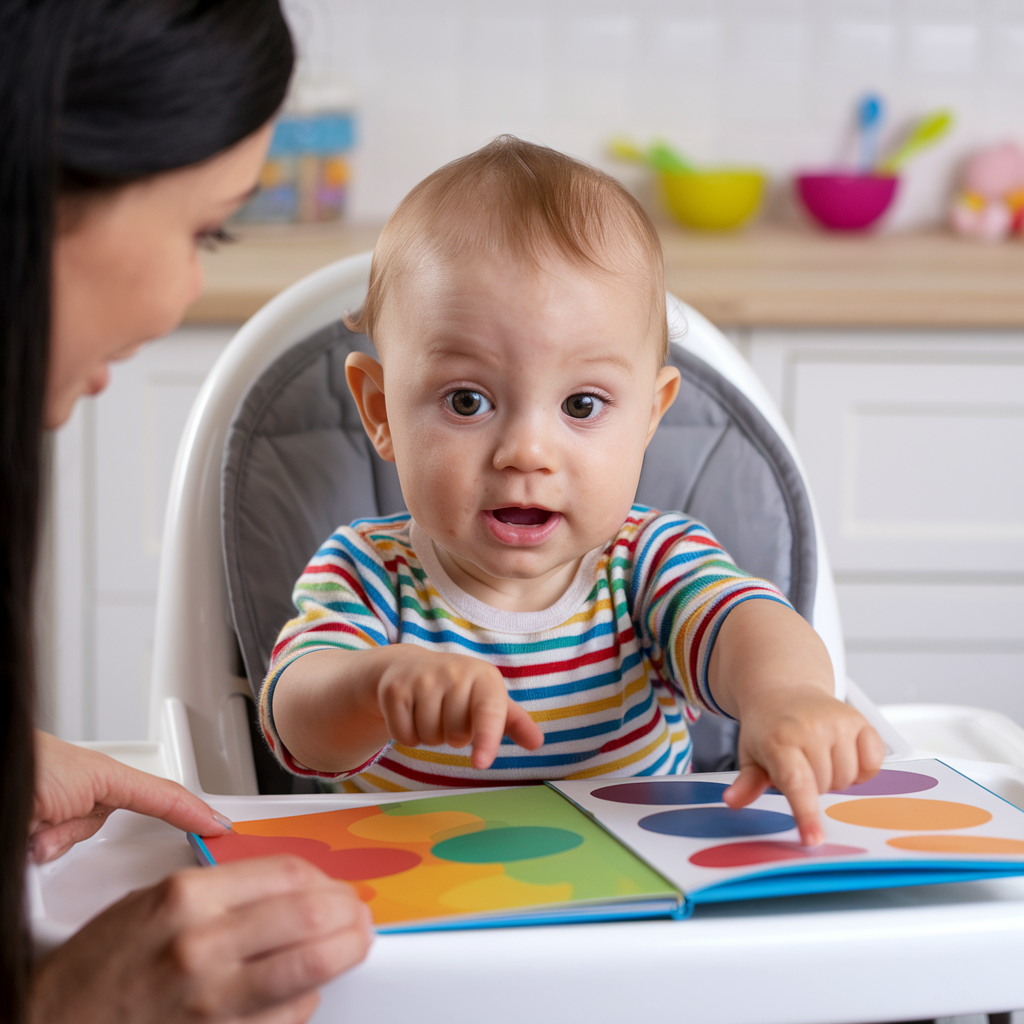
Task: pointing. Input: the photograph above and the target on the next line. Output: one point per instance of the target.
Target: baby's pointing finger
(795, 779)
(489, 712)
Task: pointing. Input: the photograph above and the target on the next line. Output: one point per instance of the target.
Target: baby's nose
(528, 444)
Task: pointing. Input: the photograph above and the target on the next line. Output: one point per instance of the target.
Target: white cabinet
(112, 470)
(914, 445)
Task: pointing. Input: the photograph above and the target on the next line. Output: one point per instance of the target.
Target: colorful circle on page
(500, 845)
(889, 782)
(899, 813)
(958, 844)
(717, 822)
(671, 791)
(764, 851)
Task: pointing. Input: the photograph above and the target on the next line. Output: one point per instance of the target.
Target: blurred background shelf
(767, 276)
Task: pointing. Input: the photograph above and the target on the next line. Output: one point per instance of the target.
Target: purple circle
(891, 783)
(663, 791)
(717, 822)
(887, 782)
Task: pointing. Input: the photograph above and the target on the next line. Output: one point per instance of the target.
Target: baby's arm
(770, 670)
(335, 709)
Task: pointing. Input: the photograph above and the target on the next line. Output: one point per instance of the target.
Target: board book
(635, 848)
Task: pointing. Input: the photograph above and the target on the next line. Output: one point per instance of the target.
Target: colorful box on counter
(306, 175)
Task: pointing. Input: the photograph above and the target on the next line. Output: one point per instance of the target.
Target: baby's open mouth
(513, 516)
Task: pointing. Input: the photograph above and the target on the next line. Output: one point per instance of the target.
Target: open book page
(524, 854)
(914, 817)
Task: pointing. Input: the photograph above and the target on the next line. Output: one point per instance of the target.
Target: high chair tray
(889, 954)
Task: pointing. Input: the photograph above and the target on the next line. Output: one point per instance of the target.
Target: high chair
(272, 459)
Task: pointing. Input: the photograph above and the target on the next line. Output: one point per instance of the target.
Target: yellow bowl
(714, 200)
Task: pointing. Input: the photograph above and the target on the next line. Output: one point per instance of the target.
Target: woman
(130, 130)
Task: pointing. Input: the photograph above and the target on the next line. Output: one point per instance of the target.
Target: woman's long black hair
(93, 94)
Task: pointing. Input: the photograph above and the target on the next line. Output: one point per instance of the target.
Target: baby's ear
(666, 387)
(365, 378)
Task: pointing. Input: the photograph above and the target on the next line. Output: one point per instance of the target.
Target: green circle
(497, 845)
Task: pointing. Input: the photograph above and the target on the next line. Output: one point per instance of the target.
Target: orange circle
(898, 813)
(958, 844)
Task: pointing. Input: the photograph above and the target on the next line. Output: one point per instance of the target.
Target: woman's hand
(76, 789)
(249, 941)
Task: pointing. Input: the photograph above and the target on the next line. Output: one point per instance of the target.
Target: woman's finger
(198, 894)
(48, 842)
(274, 923)
(285, 974)
(295, 1011)
(160, 798)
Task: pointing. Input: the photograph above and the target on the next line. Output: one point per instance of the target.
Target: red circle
(353, 865)
(764, 851)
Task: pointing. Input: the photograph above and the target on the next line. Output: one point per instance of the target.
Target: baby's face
(519, 404)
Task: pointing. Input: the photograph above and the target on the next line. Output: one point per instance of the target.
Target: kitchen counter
(765, 277)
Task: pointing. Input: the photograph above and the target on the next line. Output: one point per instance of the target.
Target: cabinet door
(914, 446)
(113, 466)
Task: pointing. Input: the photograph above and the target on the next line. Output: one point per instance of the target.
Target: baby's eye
(468, 403)
(583, 406)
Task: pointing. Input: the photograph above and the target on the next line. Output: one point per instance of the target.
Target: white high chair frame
(906, 953)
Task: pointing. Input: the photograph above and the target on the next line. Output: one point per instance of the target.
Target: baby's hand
(431, 698)
(804, 742)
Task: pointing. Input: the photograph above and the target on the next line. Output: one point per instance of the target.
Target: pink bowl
(846, 202)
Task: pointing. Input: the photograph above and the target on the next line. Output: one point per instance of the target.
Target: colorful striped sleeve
(683, 586)
(346, 600)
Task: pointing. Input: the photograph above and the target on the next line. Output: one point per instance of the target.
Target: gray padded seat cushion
(297, 464)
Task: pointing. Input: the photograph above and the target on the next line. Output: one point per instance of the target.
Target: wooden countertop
(763, 277)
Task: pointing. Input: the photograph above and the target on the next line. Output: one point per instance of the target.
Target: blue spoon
(869, 122)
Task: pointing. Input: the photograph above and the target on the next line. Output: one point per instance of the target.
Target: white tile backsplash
(770, 82)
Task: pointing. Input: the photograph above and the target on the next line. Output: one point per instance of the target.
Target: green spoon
(925, 133)
(659, 155)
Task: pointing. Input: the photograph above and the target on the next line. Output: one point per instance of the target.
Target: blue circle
(717, 822)
(663, 791)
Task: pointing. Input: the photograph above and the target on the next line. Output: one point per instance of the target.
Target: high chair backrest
(296, 464)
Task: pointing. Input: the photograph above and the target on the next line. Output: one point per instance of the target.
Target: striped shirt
(612, 673)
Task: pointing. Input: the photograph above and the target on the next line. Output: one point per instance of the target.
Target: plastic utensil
(870, 111)
(662, 157)
(926, 132)
(659, 156)
(620, 147)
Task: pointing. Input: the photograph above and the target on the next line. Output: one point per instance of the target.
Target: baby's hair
(520, 200)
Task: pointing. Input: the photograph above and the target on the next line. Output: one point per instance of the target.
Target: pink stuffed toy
(991, 203)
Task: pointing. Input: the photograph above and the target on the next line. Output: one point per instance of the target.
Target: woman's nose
(528, 444)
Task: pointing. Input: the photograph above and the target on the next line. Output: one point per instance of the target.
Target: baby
(524, 606)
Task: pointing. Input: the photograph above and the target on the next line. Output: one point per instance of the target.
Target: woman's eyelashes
(212, 238)
(468, 403)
